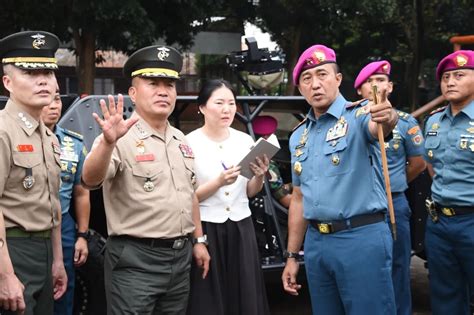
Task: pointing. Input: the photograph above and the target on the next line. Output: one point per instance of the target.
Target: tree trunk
(294, 50)
(85, 65)
(417, 44)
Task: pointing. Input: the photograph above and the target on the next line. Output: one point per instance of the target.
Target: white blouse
(230, 201)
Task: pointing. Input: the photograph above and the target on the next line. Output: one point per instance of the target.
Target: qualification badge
(304, 137)
(29, 180)
(430, 154)
(435, 126)
(470, 129)
(463, 144)
(140, 146)
(396, 145)
(471, 147)
(148, 186)
(297, 168)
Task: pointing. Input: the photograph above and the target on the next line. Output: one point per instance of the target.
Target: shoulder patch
(355, 104)
(300, 123)
(439, 109)
(73, 134)
(403, 115)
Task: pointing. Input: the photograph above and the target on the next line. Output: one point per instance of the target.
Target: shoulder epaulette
(73, 134)
(355, 104)
(439, 109)
(403, 115)
(300, 123)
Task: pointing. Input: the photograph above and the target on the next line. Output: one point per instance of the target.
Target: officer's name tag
(25, 148)
(145, 157)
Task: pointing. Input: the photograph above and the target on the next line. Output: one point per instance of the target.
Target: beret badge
(460, 60)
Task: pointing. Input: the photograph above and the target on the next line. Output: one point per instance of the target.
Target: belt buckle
(179, 243)
(449, 212)
(324, 228)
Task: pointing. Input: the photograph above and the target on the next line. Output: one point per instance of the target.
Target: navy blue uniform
(407, 141)
(336, 164)
(449, 147)
(73, 153)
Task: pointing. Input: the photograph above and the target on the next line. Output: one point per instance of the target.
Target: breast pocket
(336, 159)
(146, 170)
(24, 161)
(432, 142)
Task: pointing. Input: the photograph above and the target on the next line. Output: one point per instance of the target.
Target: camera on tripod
(264, 68)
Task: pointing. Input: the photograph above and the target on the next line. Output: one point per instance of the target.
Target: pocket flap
(26, 159)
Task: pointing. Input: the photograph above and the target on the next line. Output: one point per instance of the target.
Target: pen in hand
(223, 165)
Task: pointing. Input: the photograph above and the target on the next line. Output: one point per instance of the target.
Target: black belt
(327, 227)
(452, 211)
(174, 243)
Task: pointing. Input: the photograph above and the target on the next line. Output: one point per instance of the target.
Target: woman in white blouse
(235, 283)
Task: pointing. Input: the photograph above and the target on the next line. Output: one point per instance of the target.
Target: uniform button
(227, 208)
(226, 193)
(316, 203)
(319, 130)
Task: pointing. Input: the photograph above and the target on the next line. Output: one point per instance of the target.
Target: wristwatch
(201, 240)
(287, 254)
(86, 235)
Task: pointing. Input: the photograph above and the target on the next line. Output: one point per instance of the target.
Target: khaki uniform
(26, 144)
(148, 188)
(148, 196)
(29, 150)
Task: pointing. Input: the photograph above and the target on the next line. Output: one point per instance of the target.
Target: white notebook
(262, 146)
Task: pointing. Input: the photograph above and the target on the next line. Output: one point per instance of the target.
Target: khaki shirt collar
(23, 119)
(144, 130)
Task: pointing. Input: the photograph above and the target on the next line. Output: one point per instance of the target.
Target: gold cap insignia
(460, 60)
(38, 41)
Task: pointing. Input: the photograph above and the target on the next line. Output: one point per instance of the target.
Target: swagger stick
(386, 175)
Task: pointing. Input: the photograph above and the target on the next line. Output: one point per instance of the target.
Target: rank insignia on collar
(298, 152)
(186, 151)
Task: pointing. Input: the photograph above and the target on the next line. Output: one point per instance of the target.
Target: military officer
(449, 151)
(337, 180)
(31, 261)
(73, 152)
(147, 171)
(405, 163)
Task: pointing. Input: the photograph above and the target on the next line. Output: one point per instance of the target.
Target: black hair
(209, 87)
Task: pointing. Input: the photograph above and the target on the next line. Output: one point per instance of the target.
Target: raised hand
(113, 125)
